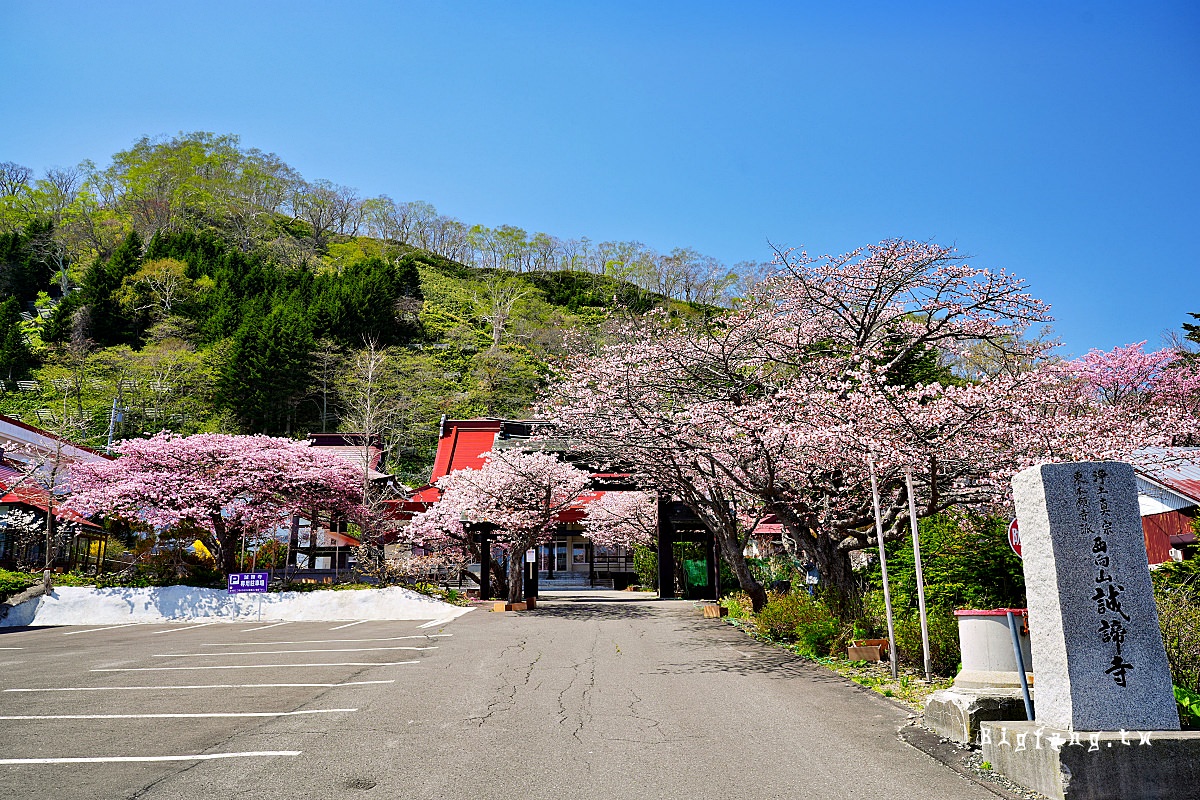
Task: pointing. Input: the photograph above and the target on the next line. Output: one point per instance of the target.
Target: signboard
(531, 556)
(243, 582)
(1014, 538)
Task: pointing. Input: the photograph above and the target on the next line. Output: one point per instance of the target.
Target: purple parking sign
(242, 582)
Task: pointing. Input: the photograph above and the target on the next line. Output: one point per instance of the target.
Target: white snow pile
(71, 605)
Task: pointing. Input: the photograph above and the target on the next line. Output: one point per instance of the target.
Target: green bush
(799, 618)
(1189, 707)
(1177, 575)
(739, 605)
(944, 652)
(966, 560)
(1179, 618)
(15, 582)
(645, 564)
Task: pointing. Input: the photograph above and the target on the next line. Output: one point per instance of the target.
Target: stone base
(957, 713)
(1110, 765)
(987, 680)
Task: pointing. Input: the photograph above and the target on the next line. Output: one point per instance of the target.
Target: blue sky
(1057, 140)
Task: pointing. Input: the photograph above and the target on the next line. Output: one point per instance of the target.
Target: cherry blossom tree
(226, 486)
(520, 494)
(897, 356)
(622, 519)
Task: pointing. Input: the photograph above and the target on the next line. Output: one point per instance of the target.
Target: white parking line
(130, 759)
(444, 620)
(188, 627)
(349, 624)
(259, 666)
(94, 630)
(201, 715)
(281, 652)
(12, 648)
(264, 627)
(203, 686)
(331, 641)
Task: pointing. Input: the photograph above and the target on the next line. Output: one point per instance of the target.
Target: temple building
(34, 473)
(570, 560)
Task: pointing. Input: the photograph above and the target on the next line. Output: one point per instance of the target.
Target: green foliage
(967, 563)
(15, 582)
(109, 322)
(739, 605)
(1189, 707)
(1179, 619)
(1177, 575)
(645, 564)
(23, 271)
(16, 357)
(944, 652)
(797, 617)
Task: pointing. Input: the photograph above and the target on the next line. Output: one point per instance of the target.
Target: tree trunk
(516, 575)
(227, 541)
(731, 546)
(841, 591)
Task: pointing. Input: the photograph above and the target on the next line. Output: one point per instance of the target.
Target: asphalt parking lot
(600, 695)
(109, 711)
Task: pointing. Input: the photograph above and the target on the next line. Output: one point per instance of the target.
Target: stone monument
(1092, 619)
(1107, 725)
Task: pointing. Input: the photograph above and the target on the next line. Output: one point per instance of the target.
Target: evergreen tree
(23, 273)
(15, 354)
(110, 323)
(268, 371)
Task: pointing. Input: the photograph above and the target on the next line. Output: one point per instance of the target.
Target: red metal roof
(37, 497)
(1176, 468)
(462, 445)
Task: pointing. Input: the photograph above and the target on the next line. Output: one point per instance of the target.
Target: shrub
(944, 652)
(739, 605)
(1188, 704)
(645, 564)
(799, 618)
(967, 564)
(1179, 618)
(15, 582)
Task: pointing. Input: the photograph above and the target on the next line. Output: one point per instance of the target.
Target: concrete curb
(956, 757)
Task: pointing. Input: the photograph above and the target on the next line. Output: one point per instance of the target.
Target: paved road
(602, 696)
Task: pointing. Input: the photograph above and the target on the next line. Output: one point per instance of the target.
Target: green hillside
(171, 291)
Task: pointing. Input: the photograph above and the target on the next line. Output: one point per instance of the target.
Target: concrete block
(957, 713)
(714, 611)
(1107, 765)
(517, 606)
(502, 607)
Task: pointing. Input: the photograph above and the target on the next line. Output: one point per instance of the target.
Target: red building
(1169, 497)
(571, 558)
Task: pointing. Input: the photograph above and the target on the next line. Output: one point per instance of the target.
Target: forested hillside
(196, 285)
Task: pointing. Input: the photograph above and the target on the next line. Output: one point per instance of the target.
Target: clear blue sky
(1058, 140)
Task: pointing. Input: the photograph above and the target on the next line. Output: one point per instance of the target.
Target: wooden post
(485, 567)
(714, 568)
(666, 554)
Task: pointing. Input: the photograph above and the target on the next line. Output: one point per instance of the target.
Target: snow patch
(71, 605)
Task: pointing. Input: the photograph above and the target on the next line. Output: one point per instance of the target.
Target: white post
(887, 594)
(916, 537)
